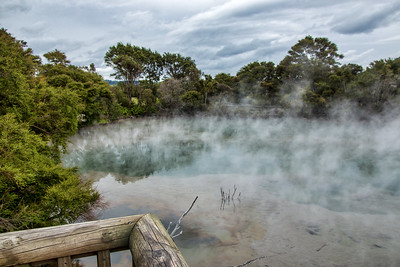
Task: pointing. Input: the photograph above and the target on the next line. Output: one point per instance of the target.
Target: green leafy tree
(38, 113)
(225, 83)
(132, 63)
(192, 101)
(35, 190)
(17, 69)
(308, 58)
(57, 57)
(310, 62)
(178, 67)
(207, 87)
(181, 68)
(55, 114)
(96, 101)
(378, 86)
(258, 80)
(170, 92)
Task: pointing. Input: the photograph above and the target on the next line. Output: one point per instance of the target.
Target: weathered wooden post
(151, 245)
(149, 242)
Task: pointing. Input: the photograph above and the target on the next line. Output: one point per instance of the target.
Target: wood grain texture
(66, 240)
(103, 258)
(64, 262)
(151, 245)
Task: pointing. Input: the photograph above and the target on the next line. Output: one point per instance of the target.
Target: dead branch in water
(321, 247)
(173, 234)
(227, 197)
(250, 261)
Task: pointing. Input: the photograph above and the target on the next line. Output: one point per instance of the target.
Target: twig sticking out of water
(173, 234)
(250, 261)
(227, 197)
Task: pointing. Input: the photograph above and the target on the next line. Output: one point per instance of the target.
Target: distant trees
(131, 63)
(96, 102)
(259, 81)
(377, 87)
(142, 69)
(308, 82)
(179, 67)
(306, 71)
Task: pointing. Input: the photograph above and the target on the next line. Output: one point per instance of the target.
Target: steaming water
(311, 192)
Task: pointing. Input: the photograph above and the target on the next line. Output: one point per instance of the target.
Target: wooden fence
(144, 235)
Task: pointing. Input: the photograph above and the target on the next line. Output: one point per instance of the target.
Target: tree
(96, 102)
(225, 83)
(377, 86)
(207, 87)
(224, 78)
(35, 189)
(309, 56)
(257, 72)
(192, 101)
(179, 67)
(153, 66)
(17, 69)
(258, 80)
(57, 57)
(170, 92)
(39, 110)
(131, 63)
(55, 114)
(310, 62)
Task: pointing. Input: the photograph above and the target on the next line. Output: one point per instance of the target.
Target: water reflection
(312, 192)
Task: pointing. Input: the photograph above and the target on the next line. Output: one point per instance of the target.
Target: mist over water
(334, 184)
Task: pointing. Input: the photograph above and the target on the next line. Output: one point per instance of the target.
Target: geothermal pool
(312, 192)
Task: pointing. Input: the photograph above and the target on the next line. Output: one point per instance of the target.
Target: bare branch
(250, 261)
(234, 190)
(178, 224)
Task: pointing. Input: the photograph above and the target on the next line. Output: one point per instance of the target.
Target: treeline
(308, 82)
(43, 104)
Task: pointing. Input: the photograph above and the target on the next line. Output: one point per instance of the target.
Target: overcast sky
(220, 35)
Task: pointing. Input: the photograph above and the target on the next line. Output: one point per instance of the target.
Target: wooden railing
(144, 235)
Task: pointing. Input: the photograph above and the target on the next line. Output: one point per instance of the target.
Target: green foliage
(38, 113)
(179, 67)
(131, 63)
(55, 113)
(258, 80)
(96, 100)
(378, 86)
(17, 67)
(170, 92)
(310, 59)
(57, 57)
(207, 87)
(192, 101)
(35, 190)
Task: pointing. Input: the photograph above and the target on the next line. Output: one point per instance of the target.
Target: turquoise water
(302, 183)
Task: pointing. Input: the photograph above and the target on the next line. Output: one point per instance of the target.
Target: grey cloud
(35, 30)
(232, 49)
(209, 35)
(221, 36)
(12, 6)
(272, 6)
(272, 53)
(367, 23)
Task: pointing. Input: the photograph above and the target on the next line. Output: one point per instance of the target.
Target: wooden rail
(144, 235)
